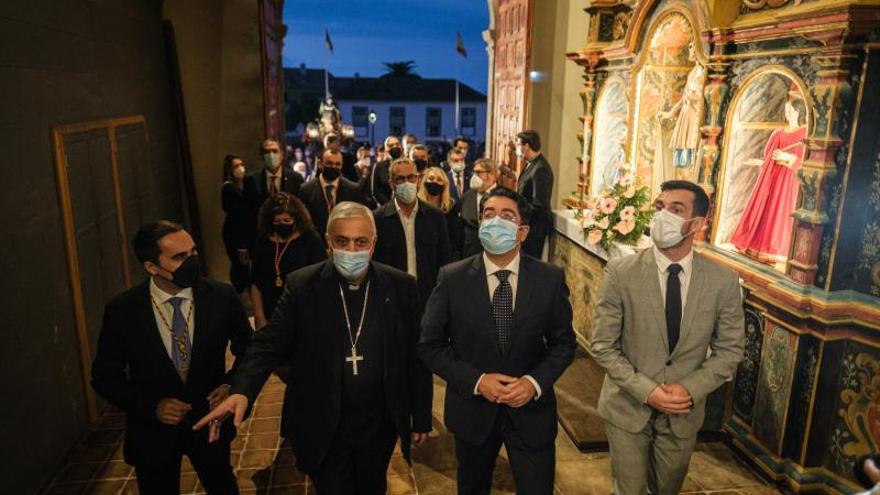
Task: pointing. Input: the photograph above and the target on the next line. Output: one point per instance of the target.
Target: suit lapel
(652, 293)
(330, 307)
(201, 294)
(262, 177)
(696, 288)
(524, 286)
(478, 290)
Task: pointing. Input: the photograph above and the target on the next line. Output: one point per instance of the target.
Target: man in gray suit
(659, 314)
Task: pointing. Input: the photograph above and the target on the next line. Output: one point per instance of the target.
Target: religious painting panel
(758, 186)
(609, 141)
(583, 271)
(668, 108)
(746, 383)
(774, 386)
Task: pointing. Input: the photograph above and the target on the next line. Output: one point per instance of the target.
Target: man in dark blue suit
(497, 328)
(458, 174)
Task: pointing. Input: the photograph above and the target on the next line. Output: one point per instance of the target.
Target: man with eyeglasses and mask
(483, 181)
(270, 179)
(413, 236)
(379, 188)
(161, 359)
(498, 329)
(328, 189)
(658, 315)
(347, 327)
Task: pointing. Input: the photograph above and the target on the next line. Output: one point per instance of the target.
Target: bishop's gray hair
(350, 209)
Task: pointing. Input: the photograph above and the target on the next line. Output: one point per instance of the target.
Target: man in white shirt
(161, 359)
(498, 329)
(658, 314)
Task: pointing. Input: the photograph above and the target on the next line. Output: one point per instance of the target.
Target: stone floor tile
(262, 441)
(106, 487)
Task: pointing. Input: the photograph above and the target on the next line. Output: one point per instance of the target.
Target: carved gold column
(715, 93)
(830, 94)
(589, 98)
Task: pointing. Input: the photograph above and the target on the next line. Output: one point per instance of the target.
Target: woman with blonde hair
(435, 189)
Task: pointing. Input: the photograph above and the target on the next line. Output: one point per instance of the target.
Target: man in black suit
(536, 185)
(498, 329)
(459, 178)
(349, 170)
(348, 328)
(483, 180)
(413, 236)
(161, 359)
(261, 184)
(379, 189)
(327, 189)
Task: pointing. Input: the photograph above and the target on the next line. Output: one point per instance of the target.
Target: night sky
(366, 33)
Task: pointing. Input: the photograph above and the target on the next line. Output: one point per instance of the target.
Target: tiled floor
(265, 466)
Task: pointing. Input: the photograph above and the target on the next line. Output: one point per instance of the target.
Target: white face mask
(271, 160)
(519, 152)
(238, 172)
(666, 229)
(476, 182)
(457, 167)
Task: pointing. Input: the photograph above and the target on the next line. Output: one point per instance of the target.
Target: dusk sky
(366, 33)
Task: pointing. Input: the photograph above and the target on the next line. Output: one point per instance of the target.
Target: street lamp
(372, 119)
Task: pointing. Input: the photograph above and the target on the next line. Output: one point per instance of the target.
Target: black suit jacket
(469, 235)
(459, 343)
(312, 196)
(255, 194)
(133, 371)
(536, 185)
(432, 243)
(380, 189)
(465, 185)
(302, 333)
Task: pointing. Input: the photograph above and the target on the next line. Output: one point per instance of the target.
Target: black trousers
(533, 469)
(357, 462)
(210, 461)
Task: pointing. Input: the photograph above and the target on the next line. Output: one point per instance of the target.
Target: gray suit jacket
(630, 341)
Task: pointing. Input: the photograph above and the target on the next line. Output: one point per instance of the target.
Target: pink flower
(625, 226)
(594, 236)
(602, 224)
(626, 180)
(628, 213)
(588, 218)
(607, 205)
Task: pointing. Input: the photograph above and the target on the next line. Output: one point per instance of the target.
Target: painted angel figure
(685, 137)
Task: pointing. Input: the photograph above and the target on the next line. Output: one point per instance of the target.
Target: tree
(400, 69)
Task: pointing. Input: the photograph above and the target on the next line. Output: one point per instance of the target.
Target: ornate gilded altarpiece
(717, 91)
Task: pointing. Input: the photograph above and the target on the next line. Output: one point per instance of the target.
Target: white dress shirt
(409, 231)
(493, 284)
(684, 276)
(167, 311)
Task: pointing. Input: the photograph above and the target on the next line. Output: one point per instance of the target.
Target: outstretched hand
(235, 405)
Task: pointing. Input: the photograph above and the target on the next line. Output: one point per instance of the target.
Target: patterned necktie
(273, 185)
(331, 201)
(180, 345)
(673, 305)
(502, 309)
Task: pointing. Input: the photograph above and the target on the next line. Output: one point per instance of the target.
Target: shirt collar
(325, 183)
(414, 210)
(162, 297)
(663, 262)
(491, 268)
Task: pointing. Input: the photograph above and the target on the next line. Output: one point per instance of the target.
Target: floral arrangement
(620, 214)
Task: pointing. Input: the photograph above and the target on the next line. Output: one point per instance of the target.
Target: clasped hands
(671, 399)
(503, 389)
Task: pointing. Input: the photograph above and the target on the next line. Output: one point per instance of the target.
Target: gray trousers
(651, 461)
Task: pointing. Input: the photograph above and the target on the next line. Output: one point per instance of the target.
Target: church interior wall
(67, 63)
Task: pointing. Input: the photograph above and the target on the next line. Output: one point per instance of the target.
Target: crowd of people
(379, 271)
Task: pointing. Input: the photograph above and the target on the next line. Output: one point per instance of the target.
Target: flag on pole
(327, 41)
(459, 46)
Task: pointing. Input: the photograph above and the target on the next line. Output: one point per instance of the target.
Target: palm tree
(400, 69)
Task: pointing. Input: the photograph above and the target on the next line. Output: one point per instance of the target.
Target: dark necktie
(330, 202)
(502, 309)
(273, 185)
(180, 344)
(673, 305)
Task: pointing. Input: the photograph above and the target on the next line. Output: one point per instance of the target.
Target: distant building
(423, 107)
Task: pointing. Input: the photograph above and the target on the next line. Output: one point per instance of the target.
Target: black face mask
(421, 165)
(188, 273)
(330, 173)
(395, 153)
(284, 229)
(434, 189)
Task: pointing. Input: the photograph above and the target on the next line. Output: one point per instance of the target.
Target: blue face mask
(497, 235)
(351, 264)
(405, 192)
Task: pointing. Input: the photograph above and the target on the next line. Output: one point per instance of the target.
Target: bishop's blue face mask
(351, 264)
(497, 235)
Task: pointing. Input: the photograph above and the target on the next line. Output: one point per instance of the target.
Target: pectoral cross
(353, 359)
